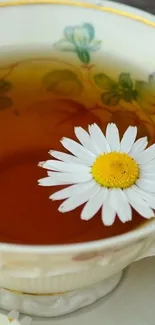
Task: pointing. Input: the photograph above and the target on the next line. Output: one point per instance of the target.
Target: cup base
(60, 304)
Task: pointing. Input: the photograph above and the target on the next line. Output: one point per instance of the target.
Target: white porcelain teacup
(125, 39)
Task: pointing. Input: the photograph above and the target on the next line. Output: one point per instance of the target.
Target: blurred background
(147, 5)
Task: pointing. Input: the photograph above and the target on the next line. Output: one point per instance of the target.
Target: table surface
(147, 5)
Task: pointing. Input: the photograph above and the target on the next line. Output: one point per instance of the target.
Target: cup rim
(119, 240)
(116, 8)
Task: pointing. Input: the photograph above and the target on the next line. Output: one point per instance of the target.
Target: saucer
(131, 303)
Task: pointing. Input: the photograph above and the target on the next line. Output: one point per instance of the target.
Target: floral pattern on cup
(81, 40)
(146, 94)
(112, 94)
(5, 100)
(114, 91)
(63, 82)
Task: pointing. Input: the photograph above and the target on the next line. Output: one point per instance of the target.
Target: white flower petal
(68, 158)
(4, 320)
(64, 178)
(146, 196)
(138, 147)
(75, 201)
(120, 204)
(147, 155)
(146, 185)
(147, 169)
(72, 190)
(138, 203)
(86, 140)
(64, 167)
(112, 135)
(151, 203)
(128, 139)
(99, 138)
(148, 165)
(83, 137)
(96, 145)
(78, 150)
(146, 176)
(108, 213)
(94, 204)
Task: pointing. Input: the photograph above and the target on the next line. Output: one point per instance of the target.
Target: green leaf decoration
(146, 94)
(127, 96)
(63, 82)
(115, 91)
(84, 56)
(5, 86)
(104, 82)
(69, 33)
(81, 40)
(5, 102)
(134, 94)
(151, 78)
(65, 46)
(110, 98)
(94, 46)
(90, 30)
(81, 37)
(125, 80)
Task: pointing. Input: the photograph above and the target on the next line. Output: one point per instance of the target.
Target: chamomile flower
(12, 319)
(107, 173)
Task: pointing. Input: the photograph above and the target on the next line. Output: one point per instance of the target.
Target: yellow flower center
(115, 170)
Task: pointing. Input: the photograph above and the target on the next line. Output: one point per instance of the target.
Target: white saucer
(131, 303)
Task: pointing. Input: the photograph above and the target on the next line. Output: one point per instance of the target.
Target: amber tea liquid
(31, 124)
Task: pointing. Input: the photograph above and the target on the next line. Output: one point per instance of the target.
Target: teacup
(64, 276)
